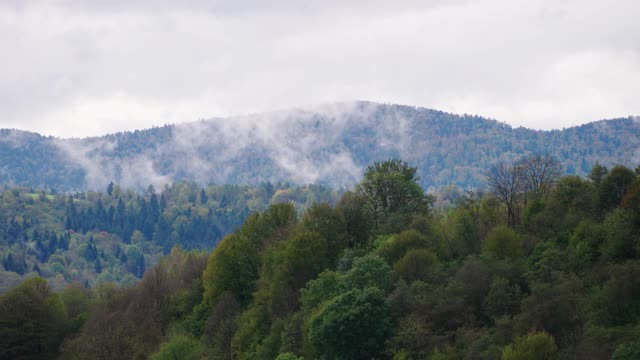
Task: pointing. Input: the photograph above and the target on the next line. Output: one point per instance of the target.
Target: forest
(331, 145)
(91, 237)
(540, 265)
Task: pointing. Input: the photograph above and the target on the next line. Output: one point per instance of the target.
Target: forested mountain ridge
(330, 144)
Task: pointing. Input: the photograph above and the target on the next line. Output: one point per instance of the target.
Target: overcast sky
(77, 68)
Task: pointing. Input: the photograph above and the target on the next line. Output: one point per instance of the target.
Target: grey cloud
(73, 68)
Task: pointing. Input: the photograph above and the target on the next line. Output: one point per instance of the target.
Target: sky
(83, 68)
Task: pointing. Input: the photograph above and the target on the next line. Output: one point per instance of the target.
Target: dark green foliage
(33, 322)
(417, 264)
(503, 243)
(353, 325)
(369, 271)
(614, 186)
(628, 351)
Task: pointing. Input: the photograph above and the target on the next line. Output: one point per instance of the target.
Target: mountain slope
(330, 144)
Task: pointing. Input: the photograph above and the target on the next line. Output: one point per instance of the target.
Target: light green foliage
(234, 264)
(289, 356)
(353, 325)
(397, 246)
(299, 260)
(535, 346)
(503, 243)
(390, 189)
(76, 303)
(180, 347)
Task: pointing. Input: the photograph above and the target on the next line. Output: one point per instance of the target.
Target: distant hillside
(329, 144)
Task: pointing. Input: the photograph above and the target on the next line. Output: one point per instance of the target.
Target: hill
(329, 144)
(381, 275)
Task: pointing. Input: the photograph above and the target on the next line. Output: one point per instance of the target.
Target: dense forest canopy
(331, 144)
(115, 235)
(550, 271)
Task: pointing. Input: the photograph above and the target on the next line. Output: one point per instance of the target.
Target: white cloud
(75, 68)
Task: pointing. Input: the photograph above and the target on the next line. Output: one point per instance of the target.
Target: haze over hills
(329, 144)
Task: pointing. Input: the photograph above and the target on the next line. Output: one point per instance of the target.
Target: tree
(614, 186)
(288, 356)
(541, 173)
(391, 188)
(503, 298)
(507, 184)
(597, 173)
(180, 347)
(353, 325)
(369, 271)
(357, 223)
(300, 259)
(502, 242)
(417, 264)
(32, 321)
(328, 223)
(222, 325)
(535, 346)
(627, 351)
(397, 246)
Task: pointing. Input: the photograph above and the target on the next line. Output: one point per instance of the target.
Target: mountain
(329, 144)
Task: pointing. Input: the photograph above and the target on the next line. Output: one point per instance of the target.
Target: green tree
(369, 271)
(503, 298)
(32, 321)
(328, 223)
(502, 242)
(418, 264)
(289, 356)
(390, 189)
(352, 326)
(597, 173)
(535, 346)
(614, 186)
(627, 351)
(180, 347)
(397, 246)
